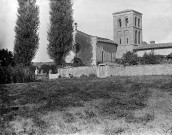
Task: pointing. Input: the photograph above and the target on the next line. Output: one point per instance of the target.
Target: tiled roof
(99, 39)
(105, 40)
(153, 46)
(127, 10)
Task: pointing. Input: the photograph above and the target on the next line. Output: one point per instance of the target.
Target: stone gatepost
(36, 71)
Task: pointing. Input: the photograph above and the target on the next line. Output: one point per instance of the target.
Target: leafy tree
(26, 38)
(46, 68)
(6, 58)
(60, 32)
(130, 58)
(151, 59)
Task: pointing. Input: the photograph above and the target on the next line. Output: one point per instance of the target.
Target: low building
(157, 49)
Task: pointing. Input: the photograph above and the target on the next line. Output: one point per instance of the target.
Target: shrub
(17, 74)
(92, 76)
(83, 76)
(6, 58)
(151, 59)
(5, 75)
(46, 68)
(130, 58)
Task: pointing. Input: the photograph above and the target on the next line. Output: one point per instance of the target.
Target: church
(92, 50)
(127, 36)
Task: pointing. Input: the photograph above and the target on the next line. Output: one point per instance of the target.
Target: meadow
(110, 106)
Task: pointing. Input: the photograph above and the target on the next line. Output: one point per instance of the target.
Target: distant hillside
(39, 64)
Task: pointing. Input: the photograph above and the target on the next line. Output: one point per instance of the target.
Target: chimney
(152, 42)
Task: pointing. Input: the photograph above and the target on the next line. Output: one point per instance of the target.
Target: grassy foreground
(85, 106)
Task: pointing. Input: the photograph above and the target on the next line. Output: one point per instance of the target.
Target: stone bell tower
(127, 30)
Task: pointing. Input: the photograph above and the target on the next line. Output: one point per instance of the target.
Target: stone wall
(53, 76)
(85, 49)
(106, 70)
(77, 71)
(165, 69)
(107, 50)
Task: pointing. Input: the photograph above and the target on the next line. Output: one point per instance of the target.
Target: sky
(93, 17)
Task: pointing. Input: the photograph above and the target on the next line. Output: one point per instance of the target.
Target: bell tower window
(127, 40)
(138, 22)
(135, 36)
(139, 37)
(135, 21)
(119, 23)
(126, 21)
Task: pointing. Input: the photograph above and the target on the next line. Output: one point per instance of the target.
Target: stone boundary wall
(114, 70)
(53, 76)
(165, 69)
(77, 71)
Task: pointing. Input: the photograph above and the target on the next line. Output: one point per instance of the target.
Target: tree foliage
(130, 58)
(26, 29)
(47, 68)
(151, 59)
(61, 29)
(6, 58)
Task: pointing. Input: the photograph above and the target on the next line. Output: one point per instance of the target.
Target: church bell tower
(127, 30)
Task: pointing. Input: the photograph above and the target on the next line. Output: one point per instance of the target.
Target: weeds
(120, 98)
(114, 131)
(144, 119)
(69, 118)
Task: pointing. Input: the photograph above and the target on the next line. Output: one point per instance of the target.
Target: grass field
(110, 106)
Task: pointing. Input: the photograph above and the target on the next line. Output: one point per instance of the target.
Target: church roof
(153, 46)
(127, 10)
(105, 40)
(99, 39)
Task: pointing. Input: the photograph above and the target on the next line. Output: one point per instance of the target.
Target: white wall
(77, 71)
(165, 69)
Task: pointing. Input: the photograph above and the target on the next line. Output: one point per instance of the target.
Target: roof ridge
(161, 43)
(126, 10)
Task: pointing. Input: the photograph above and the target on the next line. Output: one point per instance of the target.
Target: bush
(83, 76)
(46, 68)
(151, 59)
(6, 58)
(130, 58)
(92, 76)
(17, 74)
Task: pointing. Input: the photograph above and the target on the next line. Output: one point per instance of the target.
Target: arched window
(119, 23)
(127, 40)
(120, 41)
(102, 56)
(138, 22)
(135, 36)
(126, 36)
(135, 21)
(126, 21)
(139, 37)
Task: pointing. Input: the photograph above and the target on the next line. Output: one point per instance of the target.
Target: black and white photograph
(85, 67)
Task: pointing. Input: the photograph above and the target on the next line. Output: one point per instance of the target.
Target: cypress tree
(26, 29)
(60, 31)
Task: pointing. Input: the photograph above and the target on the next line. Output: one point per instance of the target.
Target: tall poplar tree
(60, 32)
(26, 38)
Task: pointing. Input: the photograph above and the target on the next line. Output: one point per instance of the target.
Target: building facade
(154, 48)
(127, 30)
(92, 50)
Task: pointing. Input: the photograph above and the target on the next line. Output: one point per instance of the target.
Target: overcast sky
(93, 17)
